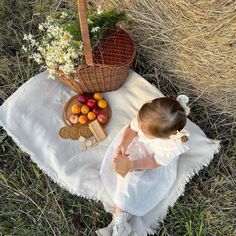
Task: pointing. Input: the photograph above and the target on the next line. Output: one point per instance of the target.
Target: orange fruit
(97, 96)
(84, 109)
(75, 109)
(83, 119)
(102, 103)
(91, 115)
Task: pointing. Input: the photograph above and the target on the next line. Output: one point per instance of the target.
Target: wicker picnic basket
(107, 66)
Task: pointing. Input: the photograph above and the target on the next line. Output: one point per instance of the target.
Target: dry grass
(31, 204)
(207, 207)
(191, 41)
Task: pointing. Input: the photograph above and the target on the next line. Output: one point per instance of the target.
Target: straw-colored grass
(192, 41)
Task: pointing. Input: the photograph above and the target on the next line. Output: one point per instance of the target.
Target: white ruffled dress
(140, 191)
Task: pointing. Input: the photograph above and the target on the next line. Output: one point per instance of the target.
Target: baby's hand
(115, 159)
(121, 149)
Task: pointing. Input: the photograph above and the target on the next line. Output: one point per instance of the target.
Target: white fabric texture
(32, 116)
(140, 191)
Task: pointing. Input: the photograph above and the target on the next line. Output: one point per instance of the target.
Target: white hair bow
(179, 134)
(183, 100)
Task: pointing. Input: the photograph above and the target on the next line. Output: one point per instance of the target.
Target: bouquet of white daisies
(58, 44)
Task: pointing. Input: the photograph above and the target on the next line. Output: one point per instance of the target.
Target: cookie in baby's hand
(122, 165)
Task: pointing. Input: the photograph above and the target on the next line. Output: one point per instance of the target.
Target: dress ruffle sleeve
(165, 156)
(134, 125)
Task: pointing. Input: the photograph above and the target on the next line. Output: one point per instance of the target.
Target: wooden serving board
(67, 112)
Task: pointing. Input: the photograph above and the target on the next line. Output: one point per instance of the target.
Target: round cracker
(85, 131)
(64, 132)
(74, 133)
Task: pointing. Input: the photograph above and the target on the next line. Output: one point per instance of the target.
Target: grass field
(31, 204)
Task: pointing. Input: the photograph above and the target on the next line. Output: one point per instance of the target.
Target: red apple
(102, 119)
(91, 103)
(97, 110)
(73, 119)
(82, 98)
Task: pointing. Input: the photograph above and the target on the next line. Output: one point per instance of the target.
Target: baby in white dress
(152, 142)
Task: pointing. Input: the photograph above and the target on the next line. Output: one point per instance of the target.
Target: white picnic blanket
(32, 116)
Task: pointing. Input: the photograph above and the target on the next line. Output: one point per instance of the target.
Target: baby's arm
(127, 138)
(143, 164)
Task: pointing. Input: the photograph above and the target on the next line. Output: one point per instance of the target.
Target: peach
(102, 103)
(75, 109)
(97, 110)
(73, 119)
(83, 119)
(91, 115)
(82, 98)
(92, 103)
(97, 96)
(102, 119)
(84, 109)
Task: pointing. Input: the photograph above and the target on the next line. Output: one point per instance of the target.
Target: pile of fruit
(89, 108)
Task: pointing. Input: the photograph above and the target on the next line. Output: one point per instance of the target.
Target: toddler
(152, 142)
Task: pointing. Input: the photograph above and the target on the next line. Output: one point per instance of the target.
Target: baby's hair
(162, 117)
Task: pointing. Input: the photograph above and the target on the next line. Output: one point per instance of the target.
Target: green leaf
(73, 28)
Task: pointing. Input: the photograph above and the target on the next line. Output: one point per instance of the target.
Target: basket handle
(85, 31)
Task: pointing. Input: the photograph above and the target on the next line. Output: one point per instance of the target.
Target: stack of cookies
(82, 133)
(73, 132)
